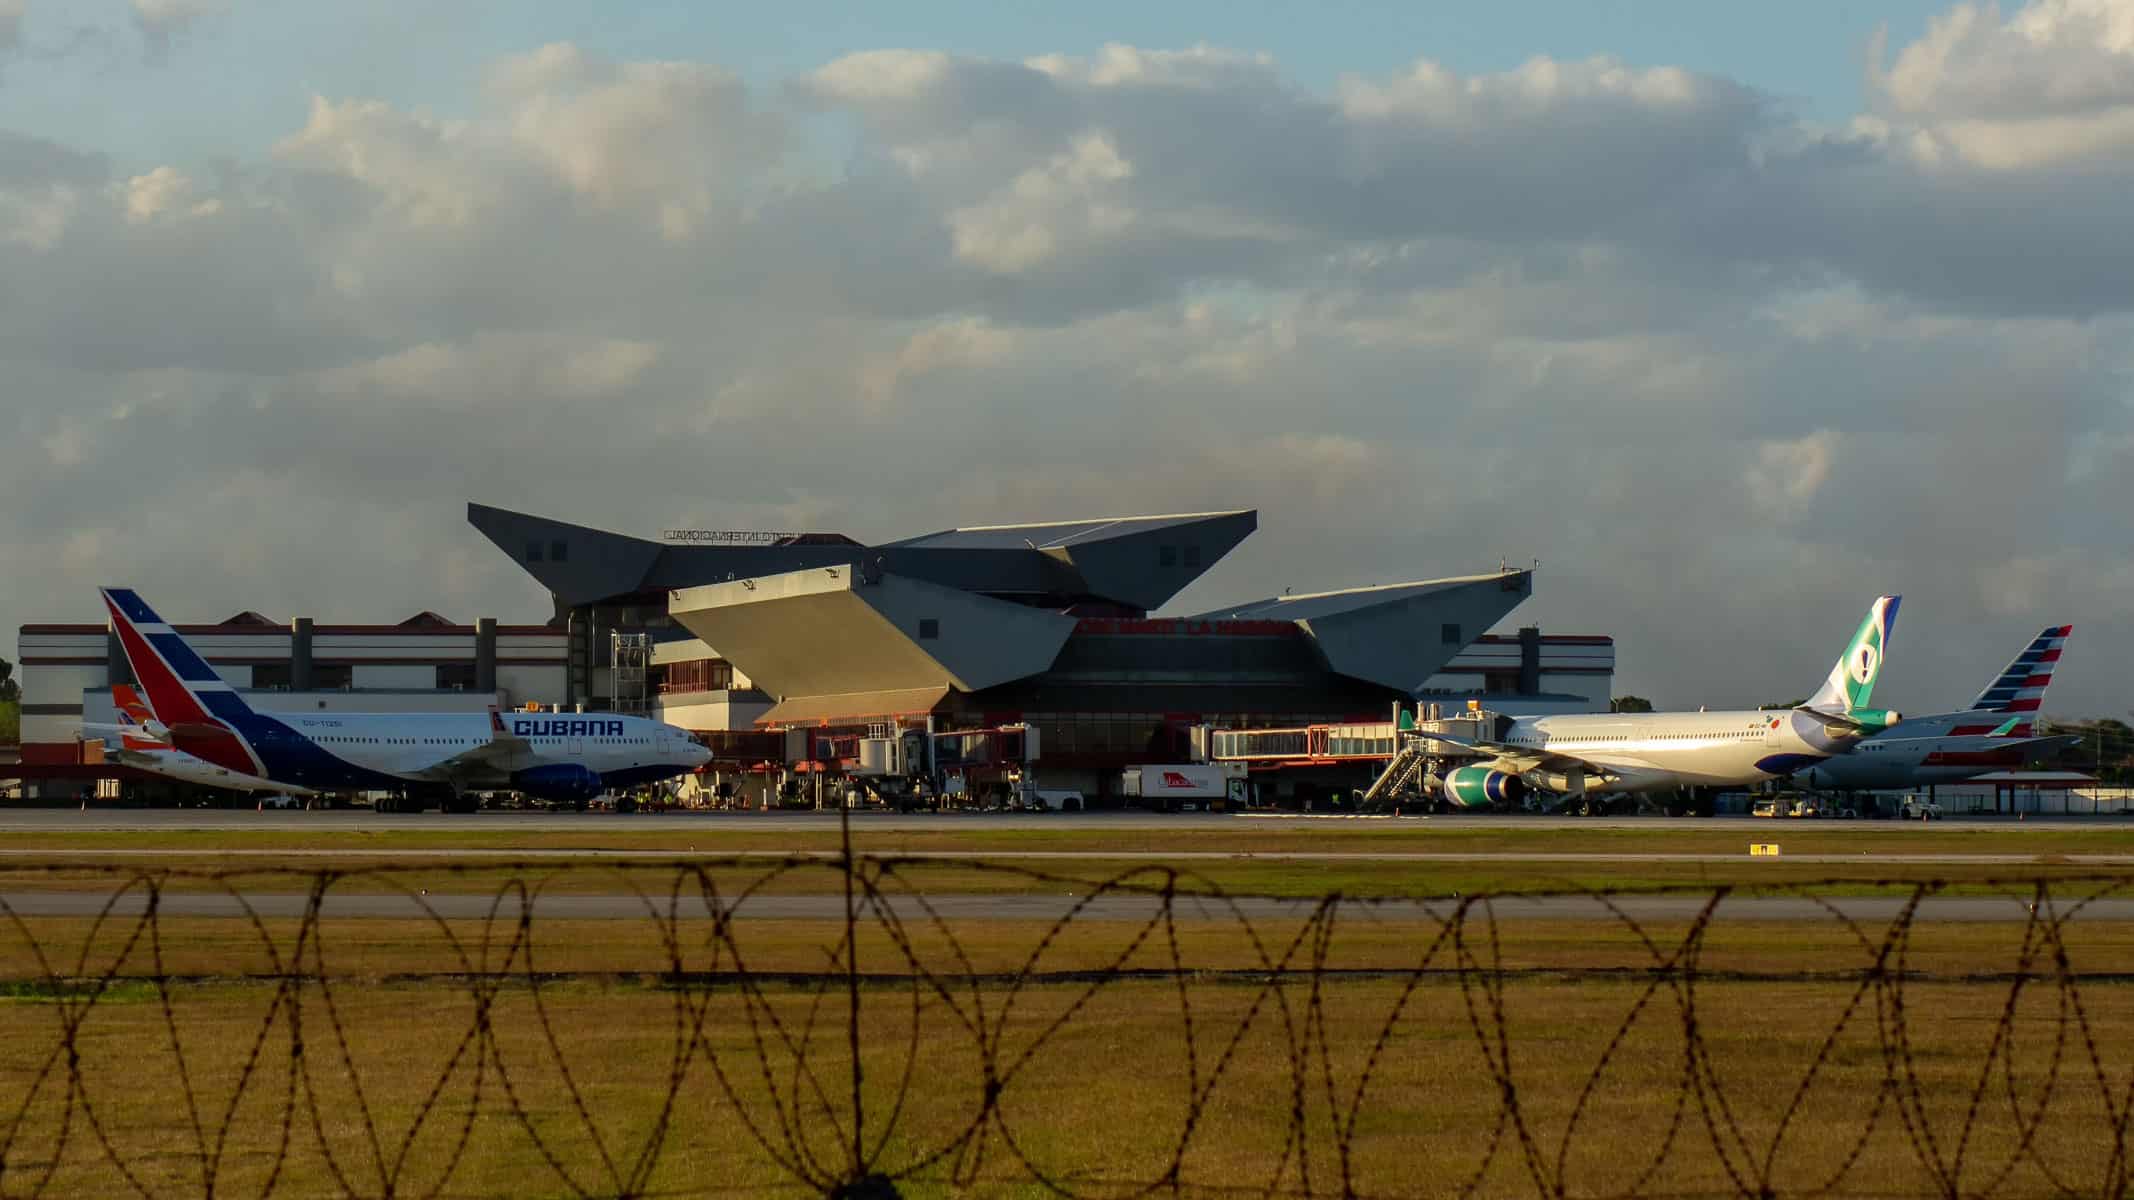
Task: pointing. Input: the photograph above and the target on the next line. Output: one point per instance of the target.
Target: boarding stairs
(1402, 773)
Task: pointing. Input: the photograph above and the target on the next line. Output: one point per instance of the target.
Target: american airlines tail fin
(2021, 688)
(1852, 680)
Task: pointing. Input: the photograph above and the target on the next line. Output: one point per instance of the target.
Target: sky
(1732, 317)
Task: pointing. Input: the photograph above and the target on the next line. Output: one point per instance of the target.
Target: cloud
(1787, 474)
(11, 14)
(1637, 321)
(674, 139)
(2052, 84)
(162, 22)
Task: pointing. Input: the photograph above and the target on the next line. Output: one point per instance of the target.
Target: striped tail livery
(2021, 687)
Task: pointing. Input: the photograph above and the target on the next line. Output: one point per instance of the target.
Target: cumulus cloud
(2053, 83)
(1635, 320)
(671, 138)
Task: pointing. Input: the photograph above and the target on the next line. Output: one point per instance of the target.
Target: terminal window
(1192, 556)
(1450, 635)
(929, 628)
(1167, 556)
(558, 551)
(533, 552)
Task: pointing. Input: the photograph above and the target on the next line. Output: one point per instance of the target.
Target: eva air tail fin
(1851, 684)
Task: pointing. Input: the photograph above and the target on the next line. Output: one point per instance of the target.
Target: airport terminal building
(1043, 625)
(782, 650)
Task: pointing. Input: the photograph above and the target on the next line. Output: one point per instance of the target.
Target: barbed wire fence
(873, 1026)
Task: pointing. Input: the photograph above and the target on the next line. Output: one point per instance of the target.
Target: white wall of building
(54, 686)
(712, 710)
(520, 684)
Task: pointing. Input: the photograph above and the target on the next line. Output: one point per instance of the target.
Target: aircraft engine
(1866, 722)
(559, 781)
(1479, 787)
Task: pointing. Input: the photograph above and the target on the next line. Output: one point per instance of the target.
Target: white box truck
(1175, 786)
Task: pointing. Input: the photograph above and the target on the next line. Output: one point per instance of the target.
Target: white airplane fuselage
(1889, 763)
(181, 767)
(375, 750)
(1644, 751)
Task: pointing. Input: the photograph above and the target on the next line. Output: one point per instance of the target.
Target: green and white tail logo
(1852, 680)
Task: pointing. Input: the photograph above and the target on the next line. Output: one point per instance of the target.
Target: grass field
(1288, 1055)
(1777, 1074)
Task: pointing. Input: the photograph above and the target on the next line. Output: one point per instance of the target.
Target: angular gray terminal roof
(1056, 535)
(1309, 605)
(1399, 634)
(1136, 562)
(974, 607)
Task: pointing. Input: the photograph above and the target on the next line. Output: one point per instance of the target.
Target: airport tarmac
(1867, 910)
(75, 820)
(285, 856)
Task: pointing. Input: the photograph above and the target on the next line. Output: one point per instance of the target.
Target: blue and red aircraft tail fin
(184, 692)
(2021, 687)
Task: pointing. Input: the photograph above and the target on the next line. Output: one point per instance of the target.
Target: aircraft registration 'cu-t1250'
(570, 757)
(1575, 755)
(1998, 732)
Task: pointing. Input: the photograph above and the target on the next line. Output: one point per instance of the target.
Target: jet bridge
(1408, 756)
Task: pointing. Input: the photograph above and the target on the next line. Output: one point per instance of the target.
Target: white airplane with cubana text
(570, 757)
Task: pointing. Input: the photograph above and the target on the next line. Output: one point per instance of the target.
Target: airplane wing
(1522, 759)
(2043, 742)
(493, 756)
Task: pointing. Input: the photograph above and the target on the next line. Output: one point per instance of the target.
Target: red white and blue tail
(185, 694)
(2021, 688)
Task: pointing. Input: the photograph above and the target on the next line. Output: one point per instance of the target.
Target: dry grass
(416, 1078)
(1243, 874)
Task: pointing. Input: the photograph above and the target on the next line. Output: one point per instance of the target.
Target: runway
(73, 820)
(962, 909)
(691, 854)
